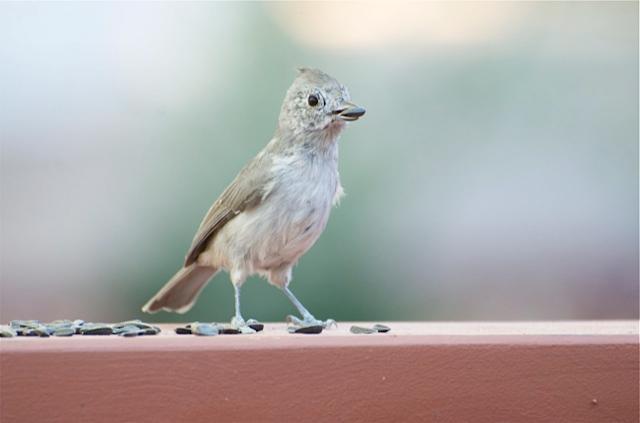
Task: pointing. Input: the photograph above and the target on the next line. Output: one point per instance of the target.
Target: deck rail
(583, 371)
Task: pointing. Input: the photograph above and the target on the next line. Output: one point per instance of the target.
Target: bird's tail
(181, 292)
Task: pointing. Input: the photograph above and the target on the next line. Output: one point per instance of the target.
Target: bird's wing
(246, 192)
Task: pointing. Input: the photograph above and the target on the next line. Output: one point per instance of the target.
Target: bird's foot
(308, 324)
(246, 327)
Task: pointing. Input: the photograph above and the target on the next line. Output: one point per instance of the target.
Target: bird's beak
(349, 111)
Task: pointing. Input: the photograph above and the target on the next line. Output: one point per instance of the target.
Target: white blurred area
(495, 175)
(379, 25)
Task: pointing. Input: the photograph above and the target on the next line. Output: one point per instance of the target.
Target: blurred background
(495, 175)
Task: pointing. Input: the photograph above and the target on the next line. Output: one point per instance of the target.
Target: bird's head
(317, 103)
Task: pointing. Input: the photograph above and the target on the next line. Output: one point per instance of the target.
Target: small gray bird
(277, 206)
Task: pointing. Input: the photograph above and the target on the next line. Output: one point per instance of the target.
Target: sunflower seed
(361, 329)
(39, 331)
(32, 324)
(137, 323)
(96, 329)
(126, 328)
(153, 330)
(64, 332)
(65, 323)
(59, 325)
(227, 330)
(255, 325)
(204, 329)
(306, 329)
(381, 328)
(7, 332)
(131, 332)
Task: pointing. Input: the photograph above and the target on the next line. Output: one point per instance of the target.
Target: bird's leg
(237, 321)
(307, 318)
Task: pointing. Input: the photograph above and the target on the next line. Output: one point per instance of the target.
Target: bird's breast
(291, 217)
(297, 209)
(304, 193)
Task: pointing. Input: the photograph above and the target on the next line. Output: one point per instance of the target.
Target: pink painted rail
(440, 372)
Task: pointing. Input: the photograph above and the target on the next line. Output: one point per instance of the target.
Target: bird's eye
(313, 100)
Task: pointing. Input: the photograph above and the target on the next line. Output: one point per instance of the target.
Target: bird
(277, 206)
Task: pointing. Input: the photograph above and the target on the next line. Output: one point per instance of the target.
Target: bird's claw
(246, 330)
(243, 326)
(309, 321)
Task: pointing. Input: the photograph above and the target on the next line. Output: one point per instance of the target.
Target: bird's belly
(273, 235)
